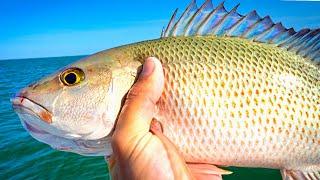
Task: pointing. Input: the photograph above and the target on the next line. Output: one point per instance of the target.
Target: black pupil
(71, 78)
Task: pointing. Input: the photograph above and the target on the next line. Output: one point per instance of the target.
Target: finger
(139, 107)
(198, 168)
(178, 165)
(206, 176)
(113, 167)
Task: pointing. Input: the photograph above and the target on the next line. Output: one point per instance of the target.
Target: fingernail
(148, 68)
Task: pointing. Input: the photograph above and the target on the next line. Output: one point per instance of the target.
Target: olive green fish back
(208, 20)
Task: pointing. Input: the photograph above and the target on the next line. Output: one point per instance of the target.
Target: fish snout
(33, 86)
(25, 101)
(22, 93)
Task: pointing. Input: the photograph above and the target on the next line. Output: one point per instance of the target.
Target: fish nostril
(22, 93)
(33, 85)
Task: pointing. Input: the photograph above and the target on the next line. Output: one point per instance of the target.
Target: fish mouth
(33, 129)
(26, 104)
(33, 120)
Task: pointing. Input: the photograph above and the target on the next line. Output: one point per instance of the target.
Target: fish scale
(232, 101)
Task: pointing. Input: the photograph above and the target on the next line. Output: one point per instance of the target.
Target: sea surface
(22, 157)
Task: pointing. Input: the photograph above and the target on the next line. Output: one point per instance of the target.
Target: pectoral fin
(207, 171)
(299, 174)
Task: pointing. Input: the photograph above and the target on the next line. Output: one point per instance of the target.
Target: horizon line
(44, 57)
(302, 0)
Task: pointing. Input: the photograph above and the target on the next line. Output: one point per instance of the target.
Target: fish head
(76, 108)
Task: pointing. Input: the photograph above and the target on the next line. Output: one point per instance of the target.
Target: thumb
(140, 105)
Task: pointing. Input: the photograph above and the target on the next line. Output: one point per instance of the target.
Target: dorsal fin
(217, 21)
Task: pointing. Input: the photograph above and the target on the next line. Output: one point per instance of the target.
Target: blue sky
(39, 28)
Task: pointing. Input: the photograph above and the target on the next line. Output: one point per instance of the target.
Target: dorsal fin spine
(258, 28)
(314, 50)
(206, 5)
(279, 29)
(310, 40)
(283, 36)
(268, 35)
(314, 44)
(191, 6)
(221, 25)
(170, 24)
(305, 51)
(206, 20)
(233, 31)
(294, 38)
(302, 41)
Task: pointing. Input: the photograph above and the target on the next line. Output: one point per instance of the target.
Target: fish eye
(72, 76)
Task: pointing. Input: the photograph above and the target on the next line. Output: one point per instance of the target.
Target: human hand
(141, 153)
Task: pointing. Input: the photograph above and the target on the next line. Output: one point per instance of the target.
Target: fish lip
(62, 143)
(34, 129)
(22, 102)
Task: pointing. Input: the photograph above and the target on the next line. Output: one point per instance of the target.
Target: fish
(240, 90)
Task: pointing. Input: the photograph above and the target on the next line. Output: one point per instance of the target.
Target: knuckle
(135, 91)
(142, 93)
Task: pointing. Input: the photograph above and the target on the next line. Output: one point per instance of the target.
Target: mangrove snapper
(239, 90)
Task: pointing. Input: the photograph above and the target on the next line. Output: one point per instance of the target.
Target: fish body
(231, 101)
(249, 100)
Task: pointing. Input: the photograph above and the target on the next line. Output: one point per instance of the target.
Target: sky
(50, 28)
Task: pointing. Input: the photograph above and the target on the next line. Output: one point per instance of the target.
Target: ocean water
(22, 157)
